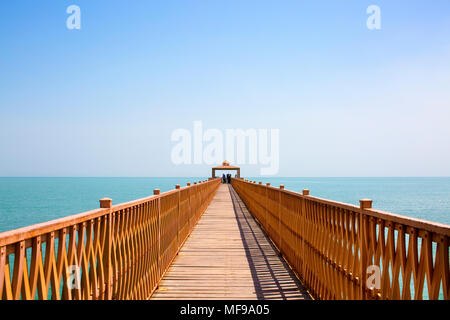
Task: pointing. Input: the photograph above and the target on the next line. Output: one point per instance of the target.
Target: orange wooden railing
(115, 252)
(341, 251)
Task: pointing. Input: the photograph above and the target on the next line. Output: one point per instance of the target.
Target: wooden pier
(244, 240)
(228, 256)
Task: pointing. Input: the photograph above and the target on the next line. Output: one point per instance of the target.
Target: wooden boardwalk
(228, 256)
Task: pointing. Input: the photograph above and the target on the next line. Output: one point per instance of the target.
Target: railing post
(363, 205)
(305, 192)
(177, 187)
(280, 194)
(157, 192)
(106, 203)
(190, 209)
(269, 232)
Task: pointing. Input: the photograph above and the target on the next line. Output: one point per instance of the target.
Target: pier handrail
(342, 251)
(115, 252)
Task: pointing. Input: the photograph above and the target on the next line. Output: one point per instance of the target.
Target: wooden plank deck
(228, 256)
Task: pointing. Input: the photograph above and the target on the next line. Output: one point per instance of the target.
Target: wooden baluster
(62, 264)
(442, 268)
(2, 270)
(106, 203)
(189, 209)
(364, 204)
(269, 232)
(304, 237)
(157, 192)
(178, 187)
(280, 237)
(19, 257)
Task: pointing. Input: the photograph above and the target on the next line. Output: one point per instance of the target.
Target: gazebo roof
(226, 166)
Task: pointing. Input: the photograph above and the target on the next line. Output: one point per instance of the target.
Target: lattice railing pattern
(341, 251)
(115, 252)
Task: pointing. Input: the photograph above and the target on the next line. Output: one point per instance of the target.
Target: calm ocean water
(26, 201)
(423, 198)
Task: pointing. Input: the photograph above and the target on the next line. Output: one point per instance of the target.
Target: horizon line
(272, 177)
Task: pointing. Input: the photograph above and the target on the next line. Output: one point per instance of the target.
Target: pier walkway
(228, 256)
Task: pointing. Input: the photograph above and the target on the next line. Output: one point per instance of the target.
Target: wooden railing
(341, 251)
(115, 252)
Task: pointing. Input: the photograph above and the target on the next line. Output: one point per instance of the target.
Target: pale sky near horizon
(104, 100)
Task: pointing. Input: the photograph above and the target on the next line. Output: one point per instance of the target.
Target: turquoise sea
(26, 201)
(422, 198)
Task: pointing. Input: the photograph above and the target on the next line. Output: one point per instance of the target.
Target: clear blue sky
(104, 100)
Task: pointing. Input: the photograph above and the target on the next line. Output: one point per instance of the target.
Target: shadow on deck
(272, 277)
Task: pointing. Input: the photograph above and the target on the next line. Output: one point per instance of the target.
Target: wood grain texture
(228, 256)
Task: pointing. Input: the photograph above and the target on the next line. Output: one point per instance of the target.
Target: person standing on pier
(223, 178)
